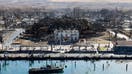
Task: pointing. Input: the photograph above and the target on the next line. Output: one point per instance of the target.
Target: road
(11, 38)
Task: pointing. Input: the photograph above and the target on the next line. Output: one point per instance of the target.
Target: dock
(62, 56)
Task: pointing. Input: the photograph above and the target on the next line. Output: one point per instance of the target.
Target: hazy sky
(65, 0)
(91, 0)
(58, 4)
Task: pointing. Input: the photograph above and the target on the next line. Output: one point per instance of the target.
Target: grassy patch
(103, 48)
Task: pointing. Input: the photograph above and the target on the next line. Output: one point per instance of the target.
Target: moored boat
(47, 69)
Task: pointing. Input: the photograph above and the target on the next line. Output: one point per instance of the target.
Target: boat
(46, 70)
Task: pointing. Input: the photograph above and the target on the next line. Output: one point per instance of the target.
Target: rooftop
(124, 43)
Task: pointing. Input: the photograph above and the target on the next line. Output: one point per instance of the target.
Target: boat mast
(60, 38)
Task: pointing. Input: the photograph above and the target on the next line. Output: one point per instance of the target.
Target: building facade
(66, 36)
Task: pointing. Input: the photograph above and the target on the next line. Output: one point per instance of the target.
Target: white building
(66, 35)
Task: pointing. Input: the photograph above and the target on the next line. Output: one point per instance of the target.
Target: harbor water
(70, 66)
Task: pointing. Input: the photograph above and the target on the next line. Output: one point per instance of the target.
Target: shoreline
(65, 56)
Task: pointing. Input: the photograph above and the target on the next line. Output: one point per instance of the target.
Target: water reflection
(103, 67)
(47, 73)
(31, 63)
(70, 67)
(94, 66)
(0, 67)
(126, 67)
(5, 64)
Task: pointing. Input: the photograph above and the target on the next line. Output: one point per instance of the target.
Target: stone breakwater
(62, 56)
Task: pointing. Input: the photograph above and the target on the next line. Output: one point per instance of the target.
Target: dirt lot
(100, 40)
(29, 43)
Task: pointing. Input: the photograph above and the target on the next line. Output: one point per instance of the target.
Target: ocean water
(71, 66)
